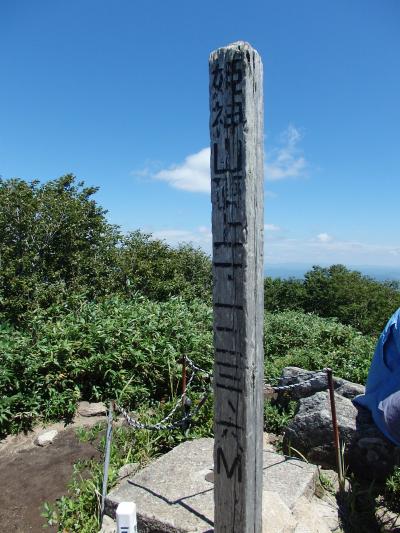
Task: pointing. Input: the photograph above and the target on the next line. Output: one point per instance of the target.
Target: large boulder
(368, 453)
(308, 383)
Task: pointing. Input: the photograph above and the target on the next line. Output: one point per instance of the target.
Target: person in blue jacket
(382, 390)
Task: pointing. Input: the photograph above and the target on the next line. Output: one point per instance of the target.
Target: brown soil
(31, 475)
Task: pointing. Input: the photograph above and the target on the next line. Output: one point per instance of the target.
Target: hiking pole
(335, 425)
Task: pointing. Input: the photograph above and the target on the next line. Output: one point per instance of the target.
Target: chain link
(132, 422)
(197, 368)
(318, 374)
(179, 423)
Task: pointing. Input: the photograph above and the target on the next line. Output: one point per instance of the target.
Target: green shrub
(94, 353)
(56, 243)
(293, 338)
(283, 294)
(276, 417)
(100, 349)
(352, 298)
(392, 492)
(159, 271)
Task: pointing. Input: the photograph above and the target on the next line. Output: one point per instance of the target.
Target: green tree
(54, 241)
(281, 294)
(159, 271)
(353, 298)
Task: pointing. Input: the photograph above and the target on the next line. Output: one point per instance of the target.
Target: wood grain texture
(237, 187)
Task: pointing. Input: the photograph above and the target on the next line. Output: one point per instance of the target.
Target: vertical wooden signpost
(237, 185)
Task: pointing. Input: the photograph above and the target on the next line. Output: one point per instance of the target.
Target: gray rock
(310, 432)
(91, 409)
(371, 454)
(277, 517)
(328, 510)
(108, 525)
(347, 388)
(367, 451)
(293, 375)
(46, 438)
(174, 494)
(128, 470)
(388, 521)
(308, 518)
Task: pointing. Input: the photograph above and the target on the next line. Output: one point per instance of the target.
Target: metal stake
(183, 381)
(106, 459)
(335, 424)
(185, 401)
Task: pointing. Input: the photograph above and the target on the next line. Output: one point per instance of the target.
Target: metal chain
(161, 425)
(197, 368)
(317, 375)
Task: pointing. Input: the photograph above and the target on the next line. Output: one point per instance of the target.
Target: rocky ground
(174, 499)
(37, 466)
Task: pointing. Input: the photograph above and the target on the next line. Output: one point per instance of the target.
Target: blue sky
(117, 93)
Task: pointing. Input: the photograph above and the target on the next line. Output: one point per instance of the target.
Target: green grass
(93, 353)
(131, 350)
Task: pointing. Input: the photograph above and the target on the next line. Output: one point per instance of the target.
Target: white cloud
(200, 236)
(204, 230)
(191, 175)
(270, 194)
(324, 237)
(148, 169)
(280, 248)
(271, 227)
(324, 249)
(286, 161)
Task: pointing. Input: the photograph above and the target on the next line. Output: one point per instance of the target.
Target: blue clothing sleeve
(384, 375)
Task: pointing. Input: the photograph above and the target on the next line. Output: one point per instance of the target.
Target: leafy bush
(136, 345)
(392, 492)
(276, 417)
(283, 294)
(159, 271)
(297, 339)
(56, 243)
(354, 299)
(94, 353)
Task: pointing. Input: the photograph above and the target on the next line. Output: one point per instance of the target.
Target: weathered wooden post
(237, 186)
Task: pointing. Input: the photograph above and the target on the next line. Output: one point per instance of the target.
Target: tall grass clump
(92, 354)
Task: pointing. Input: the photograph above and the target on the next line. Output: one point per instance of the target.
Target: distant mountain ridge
(297, 270)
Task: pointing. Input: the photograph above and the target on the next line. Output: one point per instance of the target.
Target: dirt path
(31, 475)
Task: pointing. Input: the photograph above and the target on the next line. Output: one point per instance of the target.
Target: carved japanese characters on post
(236, 131)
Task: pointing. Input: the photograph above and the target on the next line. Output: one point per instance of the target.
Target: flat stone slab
(174, 494)
(92, 409)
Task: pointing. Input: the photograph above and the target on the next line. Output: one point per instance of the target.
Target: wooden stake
(237, 185)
